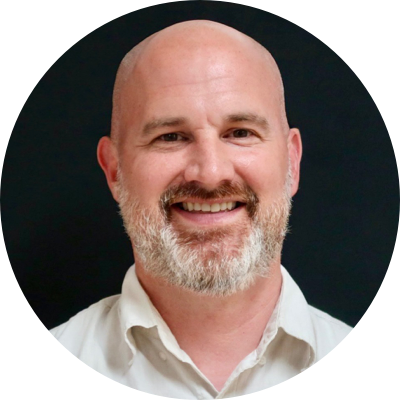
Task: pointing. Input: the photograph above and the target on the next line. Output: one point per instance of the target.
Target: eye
(170, 137)
(241, 133)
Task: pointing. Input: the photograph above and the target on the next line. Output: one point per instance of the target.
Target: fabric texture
(125, 338)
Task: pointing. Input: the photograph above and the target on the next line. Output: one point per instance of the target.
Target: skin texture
(201, 102)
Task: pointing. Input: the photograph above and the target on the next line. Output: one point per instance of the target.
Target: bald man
(203, 165)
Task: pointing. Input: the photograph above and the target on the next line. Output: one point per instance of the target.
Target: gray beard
(207, 262)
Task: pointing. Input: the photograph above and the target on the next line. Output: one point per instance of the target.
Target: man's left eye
(241, 133)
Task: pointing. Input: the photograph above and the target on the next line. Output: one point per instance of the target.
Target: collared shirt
(125, 338)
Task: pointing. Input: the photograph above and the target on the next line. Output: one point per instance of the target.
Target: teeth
(204, 207)
(215, 207)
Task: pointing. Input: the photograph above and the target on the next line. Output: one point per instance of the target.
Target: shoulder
(85, 327)
(329, 331)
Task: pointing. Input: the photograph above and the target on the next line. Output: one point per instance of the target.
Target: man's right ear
(108, 159)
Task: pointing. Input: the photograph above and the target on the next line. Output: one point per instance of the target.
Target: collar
(294, 314)
(291, 314)
(136, 309)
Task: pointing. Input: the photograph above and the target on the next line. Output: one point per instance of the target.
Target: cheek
(149, 175)
(264, 172)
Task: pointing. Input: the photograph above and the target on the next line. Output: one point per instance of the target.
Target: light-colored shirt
(125, 338)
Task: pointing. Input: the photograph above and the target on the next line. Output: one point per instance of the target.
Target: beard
(216, 261)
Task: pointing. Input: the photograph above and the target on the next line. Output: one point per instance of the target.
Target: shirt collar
(294, 314)
(135, 308)
(291, 314)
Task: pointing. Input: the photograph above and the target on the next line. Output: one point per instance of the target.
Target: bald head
(190, 41)
(180, 53)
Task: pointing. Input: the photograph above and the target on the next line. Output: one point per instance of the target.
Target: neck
(216, 332)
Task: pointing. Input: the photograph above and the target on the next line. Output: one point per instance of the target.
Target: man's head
(201, 158)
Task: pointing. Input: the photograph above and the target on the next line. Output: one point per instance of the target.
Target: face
(205, 169)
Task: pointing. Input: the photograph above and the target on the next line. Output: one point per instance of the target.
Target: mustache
(243, 192)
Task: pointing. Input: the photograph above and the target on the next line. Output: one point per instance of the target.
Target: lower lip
(208, 218)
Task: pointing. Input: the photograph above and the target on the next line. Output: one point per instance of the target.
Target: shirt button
(262, 361)
(162, 355)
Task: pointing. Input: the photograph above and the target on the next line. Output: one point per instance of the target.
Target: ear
(107, 157)
(295, 149)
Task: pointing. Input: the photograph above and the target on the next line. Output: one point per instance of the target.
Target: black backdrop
(64, 238)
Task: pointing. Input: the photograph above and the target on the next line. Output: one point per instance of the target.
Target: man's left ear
(295, 149)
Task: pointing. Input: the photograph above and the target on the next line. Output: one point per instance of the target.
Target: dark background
(62, 232)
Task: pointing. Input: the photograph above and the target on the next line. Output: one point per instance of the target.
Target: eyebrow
(248, 117)
(178, 121)
(162, 123)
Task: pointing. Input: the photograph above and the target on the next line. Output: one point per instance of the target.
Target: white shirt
(125, 338)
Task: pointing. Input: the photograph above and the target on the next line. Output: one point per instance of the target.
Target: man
(203, 165)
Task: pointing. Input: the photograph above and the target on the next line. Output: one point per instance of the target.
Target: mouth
(208, 207)
(208, 213)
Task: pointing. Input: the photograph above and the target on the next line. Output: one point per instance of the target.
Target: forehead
(220, 76)
(190, 53)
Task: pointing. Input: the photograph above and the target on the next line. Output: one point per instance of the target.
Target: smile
(211, 214)
(207, 207)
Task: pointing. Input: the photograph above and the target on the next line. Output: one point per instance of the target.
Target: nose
(210, 163)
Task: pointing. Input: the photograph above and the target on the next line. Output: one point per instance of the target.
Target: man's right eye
(170, 137)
